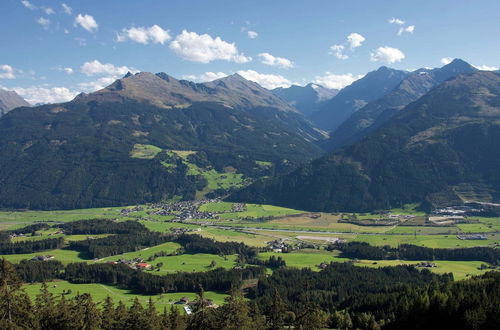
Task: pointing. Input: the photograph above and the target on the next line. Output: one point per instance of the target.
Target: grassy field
(18, 219)
(100, 292)
(312, 258)
(423, 230)
(144, 151)
(259, 211)
(168, 247)
(218, 207)
(235, 236)
(475, 228)
(199, 262)
(63, 255)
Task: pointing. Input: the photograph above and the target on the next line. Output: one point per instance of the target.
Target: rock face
(440, 149)
(78, 154)
(307, 99)
(353, 97)
(376, 113)
(10, 100)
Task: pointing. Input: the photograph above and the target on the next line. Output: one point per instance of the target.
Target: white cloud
(355, 40)
(337, 51)
(207, 76)
(45, 94)
(28, 4)
(68, 70)
(98, 84)
(485, 67)
(387, 54)
(44, 22)
(87, 22)
(396, 21)
(408, 29)
(144, 35)
(252, 34)
(269, 81)
(67, 9)
(95, 67)
(49, 11)
(446, 60)
(279, 62)
(6, 72)
(205, 49)
(336, 81)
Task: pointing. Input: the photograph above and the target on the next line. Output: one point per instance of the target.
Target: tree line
(410, 304)
(362, 250)
(31, 246)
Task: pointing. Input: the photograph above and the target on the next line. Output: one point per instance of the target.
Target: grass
(312, 258)
(235, 236)
(475, 228)
(144, 151)
(63, 255)
(100, 292)
(198, 262)
(422, 230)
(18, 219)
(168, 247)
(217, 207)
(260, 211)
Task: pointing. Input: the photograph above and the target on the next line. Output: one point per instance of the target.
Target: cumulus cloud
(44, 22)
(336, 81)
(408, 29)
(396, 21)
(252, 34)
(387, 54)
(279, 62)
(95, 67)
(338, 52)
(144, 35)
(67, 9)
(207, 76)
(485, 67)
(269, 81)
(28, 4)
(6, 72)
(205, 49)
(48, 10)
(355, 40)
(87, 22)
(98, 84)
(446, 60)
(46, 94)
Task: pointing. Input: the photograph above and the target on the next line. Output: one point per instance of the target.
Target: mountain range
(307, 99)
(373, 115)
(148, 137)
(439, 150)
(351, 98)
(10, 100)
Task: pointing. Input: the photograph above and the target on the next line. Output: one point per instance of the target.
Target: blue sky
(50, 52)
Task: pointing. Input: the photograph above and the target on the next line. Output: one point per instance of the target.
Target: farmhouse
(143, 265)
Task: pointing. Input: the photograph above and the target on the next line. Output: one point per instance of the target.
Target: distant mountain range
(148, 137)
(307, 99)
(10, 100)
(439, 150)
(372, 86)
(373, 115)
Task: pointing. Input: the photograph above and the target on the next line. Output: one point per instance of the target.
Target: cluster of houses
(472, 237)
(188, 305)
(43, 258)
(180, 231)
(185, 210)
(239, 207)
(277, 245)
(426, 264)
(136, 263)
(127, 211)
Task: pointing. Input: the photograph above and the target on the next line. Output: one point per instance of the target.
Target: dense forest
(340, 297)
(361, 250)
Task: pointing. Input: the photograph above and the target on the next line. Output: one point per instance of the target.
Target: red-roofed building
(143, 265)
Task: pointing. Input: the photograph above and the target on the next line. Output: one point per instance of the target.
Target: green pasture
(100, 292)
